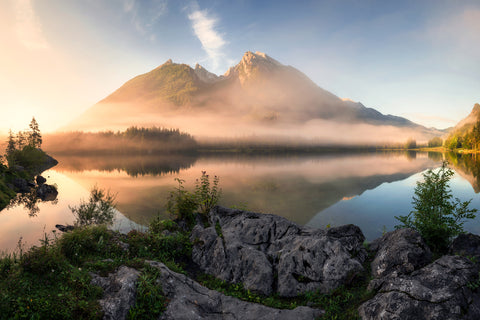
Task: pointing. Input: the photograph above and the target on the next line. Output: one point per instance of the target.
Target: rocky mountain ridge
(259, 94)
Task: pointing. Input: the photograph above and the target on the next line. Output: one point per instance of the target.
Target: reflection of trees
(468, 164)
(29, 201)
(133, 165)
(435, 156)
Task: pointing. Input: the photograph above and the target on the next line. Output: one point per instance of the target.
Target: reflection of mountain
(296, 187)
(468, 166)
(132, 165)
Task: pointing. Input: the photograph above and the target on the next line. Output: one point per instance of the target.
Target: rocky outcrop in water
(190, 300)
(269, 254)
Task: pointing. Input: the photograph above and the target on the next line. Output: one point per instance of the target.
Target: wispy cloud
(204, 27)
(143, 17)
(28, 28)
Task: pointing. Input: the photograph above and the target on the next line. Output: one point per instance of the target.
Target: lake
(366, 189)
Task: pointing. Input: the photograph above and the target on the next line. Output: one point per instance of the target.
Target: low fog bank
(206, 127)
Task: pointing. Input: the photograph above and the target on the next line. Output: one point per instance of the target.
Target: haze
(416, 59)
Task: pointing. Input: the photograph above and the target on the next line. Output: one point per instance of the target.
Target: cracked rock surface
(396, 253)
(190, 300)
(439, 291)
(270, 254)
(119, 292)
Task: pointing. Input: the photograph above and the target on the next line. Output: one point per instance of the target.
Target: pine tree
(11, 144)
(35, 138)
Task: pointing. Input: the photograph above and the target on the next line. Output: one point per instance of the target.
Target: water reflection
(296, 187)
(132, 165)
(366, 189)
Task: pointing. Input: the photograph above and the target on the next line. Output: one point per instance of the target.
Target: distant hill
(466, 134)
(467, 124)
(259, 96)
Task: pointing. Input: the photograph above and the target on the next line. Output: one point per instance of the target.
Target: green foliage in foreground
(436, 215)
(150, 299)
(184, 205)
(42, 284)
(53, 281)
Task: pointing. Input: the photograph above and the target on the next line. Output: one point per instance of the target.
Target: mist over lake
(366, 189)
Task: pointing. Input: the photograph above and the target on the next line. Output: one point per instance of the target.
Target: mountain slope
(257, 96)
(467, 123)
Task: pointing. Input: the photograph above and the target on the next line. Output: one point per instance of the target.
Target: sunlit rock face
(270, 254)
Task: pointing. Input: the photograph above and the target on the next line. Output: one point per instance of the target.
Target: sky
(419, 59)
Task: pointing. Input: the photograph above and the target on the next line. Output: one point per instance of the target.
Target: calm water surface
(364, 189)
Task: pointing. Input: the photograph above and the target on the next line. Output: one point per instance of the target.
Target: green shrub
(158, 225)
(99, 209)
(436, 215)
(154, 246)
(207, 195)
(183, 204)
(87, 242)
(150, 302)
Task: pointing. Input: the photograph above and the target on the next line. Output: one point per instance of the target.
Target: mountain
(467, 124)
(258, 96)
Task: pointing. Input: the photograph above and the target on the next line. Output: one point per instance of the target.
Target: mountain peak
(205, 75)
(252, 66)
(258, 57)
(468, 122)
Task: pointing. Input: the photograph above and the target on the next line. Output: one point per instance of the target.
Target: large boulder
(269, 254)
(40, 180)
(466, 244)
(190, 300)
(119, 292)
(441, 290)
(47, 192)
(398, 252)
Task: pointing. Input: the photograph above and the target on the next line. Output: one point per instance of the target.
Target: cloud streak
(204, 28)
(28, 28)
(144, 18)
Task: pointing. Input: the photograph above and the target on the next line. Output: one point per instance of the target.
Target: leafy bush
(87, 242)
(183, 204)
(207, 195)
(163, 248)
(436, 215)
(158, 225)
(99, 209)
(150, 302)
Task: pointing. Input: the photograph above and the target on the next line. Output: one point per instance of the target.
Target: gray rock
(47, 192)
(398, 252)
(190, 300)
(438, 291)
(40, 180)
(64, 228)
(270, 254)
(119, 292)
(466, 245)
